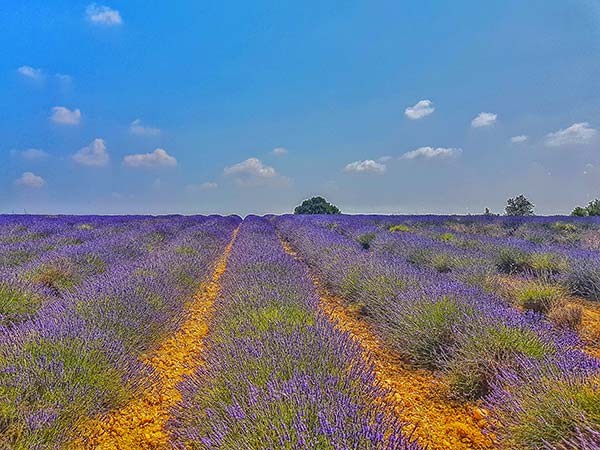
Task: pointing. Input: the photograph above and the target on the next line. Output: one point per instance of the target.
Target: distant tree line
(517, 206)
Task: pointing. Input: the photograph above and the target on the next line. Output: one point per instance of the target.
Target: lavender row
(27, 288)
(80, 356)
(276, 373)
(471, 337)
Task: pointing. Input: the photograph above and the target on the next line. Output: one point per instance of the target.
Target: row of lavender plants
(276, 373)
(474, 257)
(79, 355)
(71, 254)
(518, 363)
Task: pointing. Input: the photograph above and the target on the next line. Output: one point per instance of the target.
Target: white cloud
(94, 155)
(421, 109)
(31, 154)
(578, 133)
(366, 166)
(65, 116)
(519, 139)
(430, 152)
(65, 79)
(280, 151)
(29, 179)
(138, 128)
(484, 119)
(251, 167)
(103, 15)
(384, 159)
(157, 158)
(30, 72)
(206, 186)
(252, 172)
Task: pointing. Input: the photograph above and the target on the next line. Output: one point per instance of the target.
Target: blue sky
(250, 107)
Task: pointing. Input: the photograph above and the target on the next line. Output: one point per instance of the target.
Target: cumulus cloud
(30, 72)
(251, 167)
(252, 172)
(578, 133)
(103, 15)
(280, 151)
(94, 155)
(421, 109)
(206, 186)
(366, 166)
(484, 119)
(138, 128)
(31, 180)
(157, 158)
(431, 152)
(519, 139)
(65, 116)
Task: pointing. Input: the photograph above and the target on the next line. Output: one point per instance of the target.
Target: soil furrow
(415, 395)
(141, 423)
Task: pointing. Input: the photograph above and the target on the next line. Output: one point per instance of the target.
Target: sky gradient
(250, 107)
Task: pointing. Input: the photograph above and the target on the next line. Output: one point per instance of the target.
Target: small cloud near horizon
(484, 119)
(421, 109)
(103, 15)
(30, 180)
(365, 166)
(65, 116)
(157, 158)
(431, 152)
(577, 134)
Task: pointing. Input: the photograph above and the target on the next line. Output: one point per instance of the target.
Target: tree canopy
(316, 205)
(592, 209)
(519, 206)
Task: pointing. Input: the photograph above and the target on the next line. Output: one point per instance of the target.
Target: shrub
(579, 212)
(17, 303)
(365, 240)
(566, 315)
(399, 228)
(549, 406)
(316, 205)
(425, 331)
(583, 279)
(564, 227)
(547, 264)
(486, 349)
(511, 260)
(536, 296)
(446, 237)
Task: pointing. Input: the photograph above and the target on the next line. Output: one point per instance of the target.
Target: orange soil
(140, 424)
(416, 396)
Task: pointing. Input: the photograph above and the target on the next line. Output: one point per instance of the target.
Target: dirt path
(140, 424)
(415, 395)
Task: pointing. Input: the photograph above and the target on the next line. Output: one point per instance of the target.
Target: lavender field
(299, 332)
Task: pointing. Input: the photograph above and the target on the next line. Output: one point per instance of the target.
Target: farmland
(297, 331)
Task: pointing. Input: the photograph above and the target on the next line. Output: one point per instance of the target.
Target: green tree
(316, 205)
(580, 212)
(593, 208)
(519, 206)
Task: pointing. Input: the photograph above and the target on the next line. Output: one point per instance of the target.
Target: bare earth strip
(140, 424)
(415, 395)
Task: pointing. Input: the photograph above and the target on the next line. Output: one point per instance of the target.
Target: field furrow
(416, 397)
(141, 423)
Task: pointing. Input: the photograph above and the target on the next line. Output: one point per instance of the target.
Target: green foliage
(564, 227)
(537, 296)
(316, 205)
(365, 240)
(519, 206)
(97, 382)
(399, 228)
(426, 332)
(592, 209)
(549, 415)
(580, 212)
(446, 237)
(511, 260)
(477, 358)
(17, 304)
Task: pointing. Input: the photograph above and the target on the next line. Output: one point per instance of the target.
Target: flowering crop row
(276, 372)
(78, 356)
(480, 345)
